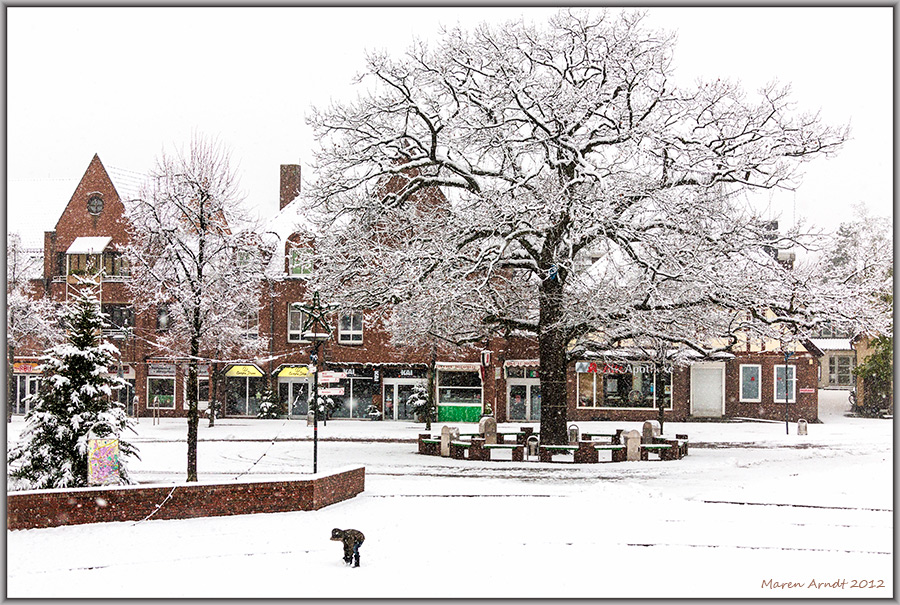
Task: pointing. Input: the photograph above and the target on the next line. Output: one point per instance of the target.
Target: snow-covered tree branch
(581, 190)
(195, 253)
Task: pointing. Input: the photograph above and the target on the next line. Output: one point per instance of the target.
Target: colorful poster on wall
(103, 461)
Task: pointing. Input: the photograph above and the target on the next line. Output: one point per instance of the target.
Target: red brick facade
(51, 508)
(381, 370)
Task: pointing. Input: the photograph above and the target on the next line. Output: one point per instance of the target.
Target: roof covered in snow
(832, 344)
(89, 245)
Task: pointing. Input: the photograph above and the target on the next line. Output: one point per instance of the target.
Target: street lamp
(316, 329)
(787, 384)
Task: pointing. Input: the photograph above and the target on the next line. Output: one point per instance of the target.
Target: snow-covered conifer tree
(74, 404)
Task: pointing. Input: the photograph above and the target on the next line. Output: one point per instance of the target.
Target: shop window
(243, 395)
(297, 322)
(586, 384)
(359, 393)
(350, 328)
(459, 388)
(161, 393)
(840, 370)
(751, 391)
(522, 372)
(780, 383)
(621, 386)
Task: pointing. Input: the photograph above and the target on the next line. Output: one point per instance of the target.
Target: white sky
(126, 82)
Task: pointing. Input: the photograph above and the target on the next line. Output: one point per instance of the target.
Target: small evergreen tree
(74, 404)
(270, 406)
(420, 405)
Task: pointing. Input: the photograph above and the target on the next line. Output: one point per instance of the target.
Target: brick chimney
(290, 183)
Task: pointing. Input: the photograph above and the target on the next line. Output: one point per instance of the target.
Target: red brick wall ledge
(54, 507)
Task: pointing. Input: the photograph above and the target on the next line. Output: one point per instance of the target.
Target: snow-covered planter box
(53, 507)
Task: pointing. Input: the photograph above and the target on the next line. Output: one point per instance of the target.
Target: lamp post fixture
(316, 329)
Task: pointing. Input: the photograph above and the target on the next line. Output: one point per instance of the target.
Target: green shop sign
(459, 413)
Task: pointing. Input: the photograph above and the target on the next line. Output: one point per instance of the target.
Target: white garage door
(708, 390)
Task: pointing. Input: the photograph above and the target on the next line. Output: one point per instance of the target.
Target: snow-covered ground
(750, 509)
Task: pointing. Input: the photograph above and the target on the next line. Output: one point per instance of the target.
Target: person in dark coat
(352, 539)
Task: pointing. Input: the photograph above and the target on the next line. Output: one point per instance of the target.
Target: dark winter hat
(336, 534)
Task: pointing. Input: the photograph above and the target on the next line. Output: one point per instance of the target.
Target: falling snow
(750, 512)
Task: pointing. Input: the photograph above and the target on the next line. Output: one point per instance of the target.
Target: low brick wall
(50, 508)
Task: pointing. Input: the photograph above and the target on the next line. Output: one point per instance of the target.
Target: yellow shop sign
(245, 370)
(294, 372)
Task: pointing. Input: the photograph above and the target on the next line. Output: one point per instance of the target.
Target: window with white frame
(300, 262)
(350, 328)
(840, 370)
(780, 383)
(751, 391)
(296, 322)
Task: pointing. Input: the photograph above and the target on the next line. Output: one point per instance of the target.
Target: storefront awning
(522, 363)
(458, 366)
(89, 245)
(243, 371)
(293, 372)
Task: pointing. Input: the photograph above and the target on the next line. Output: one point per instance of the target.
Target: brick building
(502, 374)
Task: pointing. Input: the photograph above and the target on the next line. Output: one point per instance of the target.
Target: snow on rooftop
(89, 245)
(127, 182)
(832, 344)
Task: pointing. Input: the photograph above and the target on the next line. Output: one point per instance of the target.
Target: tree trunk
(552, 352)
(193, 415)
(430, 403)
(214, 379)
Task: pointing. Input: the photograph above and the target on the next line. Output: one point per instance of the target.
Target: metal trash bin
(531, 446)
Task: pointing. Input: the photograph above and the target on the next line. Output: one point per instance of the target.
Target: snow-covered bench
(618, 451)
(458, 449)
(546, 452)
(428, 445)
(518, 450)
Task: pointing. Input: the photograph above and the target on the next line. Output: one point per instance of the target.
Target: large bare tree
(584, 189)
(194, 250)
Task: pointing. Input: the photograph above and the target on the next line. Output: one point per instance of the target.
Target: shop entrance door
(26, 386)
(708, 390)
(523, 399)
(395, 397)
(295, 393)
